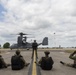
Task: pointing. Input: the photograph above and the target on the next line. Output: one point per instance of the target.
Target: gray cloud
(41, 18)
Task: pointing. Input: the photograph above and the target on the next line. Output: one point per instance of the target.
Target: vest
(1, 64)
(46, 63)
(17, 63)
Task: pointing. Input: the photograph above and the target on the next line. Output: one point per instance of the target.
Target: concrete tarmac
(58, 69)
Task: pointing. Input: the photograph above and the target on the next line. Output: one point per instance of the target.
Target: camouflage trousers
(70, 65)
(35, 53)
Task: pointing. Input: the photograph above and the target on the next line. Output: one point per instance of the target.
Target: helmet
(47, 52)
(17, 52)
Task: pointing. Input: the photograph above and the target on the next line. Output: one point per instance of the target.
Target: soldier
(34, 47)
(2, 63)
(73, 57)
(46, 63)
(18, 62)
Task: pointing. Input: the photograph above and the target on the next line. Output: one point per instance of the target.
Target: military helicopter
(22, 42)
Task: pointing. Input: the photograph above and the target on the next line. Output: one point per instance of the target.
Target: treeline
(5, 45)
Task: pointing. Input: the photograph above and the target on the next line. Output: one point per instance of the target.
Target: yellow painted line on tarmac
(34, 72)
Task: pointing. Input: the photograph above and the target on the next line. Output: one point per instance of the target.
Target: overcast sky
(55, 19)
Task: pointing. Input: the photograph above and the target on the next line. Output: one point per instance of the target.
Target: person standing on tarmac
(34, 47)
(18, 62)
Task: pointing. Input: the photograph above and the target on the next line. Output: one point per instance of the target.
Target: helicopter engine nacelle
(19, 41)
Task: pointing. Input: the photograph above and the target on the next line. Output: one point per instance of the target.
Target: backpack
(46, 63)
(1, 64)
(74, 65)
(16, 62)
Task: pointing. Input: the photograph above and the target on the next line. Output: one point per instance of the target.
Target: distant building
(59, 46)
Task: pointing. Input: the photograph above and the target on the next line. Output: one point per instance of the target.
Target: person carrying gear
(18, 62)
(46, 63)
(2, 63)
(73, 57)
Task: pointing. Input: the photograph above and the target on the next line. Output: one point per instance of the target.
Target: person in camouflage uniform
(3, 63)
(73, 57)
(46, 63)
(34, 47)
(18, 62)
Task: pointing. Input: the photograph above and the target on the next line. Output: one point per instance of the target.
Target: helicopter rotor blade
(28, 37)
(21, 33)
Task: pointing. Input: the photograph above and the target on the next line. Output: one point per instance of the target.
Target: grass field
(68, 50)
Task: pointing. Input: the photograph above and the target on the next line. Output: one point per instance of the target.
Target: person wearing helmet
(18, 62)
(46, 63)
(73, 57)
(3, 63)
